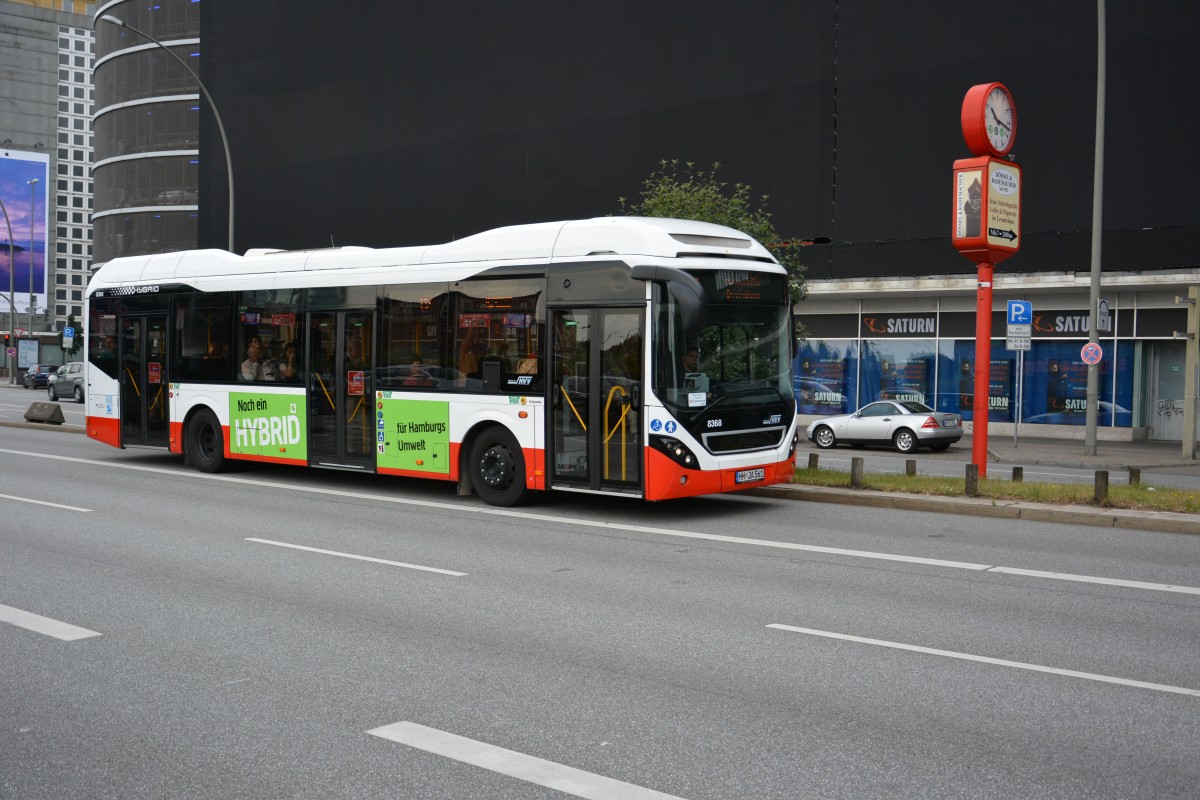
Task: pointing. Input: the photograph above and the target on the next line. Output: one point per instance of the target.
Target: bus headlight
(677, 451)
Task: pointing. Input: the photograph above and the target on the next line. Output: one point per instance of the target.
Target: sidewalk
(1112, 456)
(1029, 451)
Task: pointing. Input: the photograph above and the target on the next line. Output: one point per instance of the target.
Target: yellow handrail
(332, 405)
(582, 424)
(133, 381)
(155, 404)
(609, 433)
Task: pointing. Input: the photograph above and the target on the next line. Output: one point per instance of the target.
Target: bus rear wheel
(206, 442)
(497, 468)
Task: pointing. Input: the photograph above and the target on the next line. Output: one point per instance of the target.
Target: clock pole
(986, 226)
(983, 365)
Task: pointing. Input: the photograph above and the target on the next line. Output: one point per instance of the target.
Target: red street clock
(986, 224)
(989, 120)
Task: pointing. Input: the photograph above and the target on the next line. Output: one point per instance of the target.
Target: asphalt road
(428, 646)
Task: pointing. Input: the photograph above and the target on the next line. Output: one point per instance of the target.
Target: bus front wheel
(206, 442)
(497, 468)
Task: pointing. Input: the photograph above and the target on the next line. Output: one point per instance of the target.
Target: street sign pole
(1018, 332)
(1020, 392)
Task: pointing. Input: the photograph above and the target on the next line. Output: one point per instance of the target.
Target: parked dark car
(67, 382)
(38, 375)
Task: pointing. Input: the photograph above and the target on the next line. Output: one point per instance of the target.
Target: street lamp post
(32, 207)
(216, 114)
(12, 312)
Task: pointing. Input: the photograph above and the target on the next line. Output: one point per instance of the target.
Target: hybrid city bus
(629, 356)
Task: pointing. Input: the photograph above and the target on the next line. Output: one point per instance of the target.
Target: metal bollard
(1135, 476)
(972, 487)
(1101, 493)
(1018, 474)
(910, 467)
(813, 459)
(856, 472)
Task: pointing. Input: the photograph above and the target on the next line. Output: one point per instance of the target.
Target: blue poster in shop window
(959, 379)
(1054, 390)
(823, 377)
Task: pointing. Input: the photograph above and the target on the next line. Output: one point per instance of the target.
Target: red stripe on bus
(413, 473)
(104, 429)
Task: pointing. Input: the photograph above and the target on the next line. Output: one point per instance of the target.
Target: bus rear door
(341, 411)
(145, 419)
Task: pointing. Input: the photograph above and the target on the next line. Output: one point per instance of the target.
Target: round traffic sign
(1091, 353)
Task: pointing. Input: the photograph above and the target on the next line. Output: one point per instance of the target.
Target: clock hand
(998, 122)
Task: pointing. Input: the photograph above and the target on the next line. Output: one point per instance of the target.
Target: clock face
(998, 117)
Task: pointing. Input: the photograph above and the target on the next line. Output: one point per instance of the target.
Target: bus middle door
(596, 430)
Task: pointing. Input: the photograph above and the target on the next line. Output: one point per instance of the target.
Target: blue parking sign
(1020, 312)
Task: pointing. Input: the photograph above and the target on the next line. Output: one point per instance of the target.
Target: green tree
(683, 191)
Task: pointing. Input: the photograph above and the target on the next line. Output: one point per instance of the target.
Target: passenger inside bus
(288, 369)
(417, 376)
(256, 367)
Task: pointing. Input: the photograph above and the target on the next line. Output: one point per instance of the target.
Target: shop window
(824, 377)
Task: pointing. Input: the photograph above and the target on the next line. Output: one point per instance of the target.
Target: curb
(43, 426)
(1129, 519)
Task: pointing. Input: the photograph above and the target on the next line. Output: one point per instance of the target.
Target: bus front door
(596, 399)
(341, 411)
(145, 419)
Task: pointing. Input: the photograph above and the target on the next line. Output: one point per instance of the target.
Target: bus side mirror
(685, 290)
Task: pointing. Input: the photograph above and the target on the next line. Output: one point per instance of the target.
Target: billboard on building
(25, 202)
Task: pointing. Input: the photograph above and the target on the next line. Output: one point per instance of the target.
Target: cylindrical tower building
(146, 126)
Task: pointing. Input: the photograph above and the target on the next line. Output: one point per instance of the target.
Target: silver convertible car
(904, 424)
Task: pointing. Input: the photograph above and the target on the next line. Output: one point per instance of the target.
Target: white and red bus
(536, 357)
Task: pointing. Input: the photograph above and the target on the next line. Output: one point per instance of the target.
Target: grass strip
(1140, 496)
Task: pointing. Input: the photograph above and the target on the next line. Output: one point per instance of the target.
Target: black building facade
(392, 124)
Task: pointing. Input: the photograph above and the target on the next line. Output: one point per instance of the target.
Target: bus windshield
(739, 362)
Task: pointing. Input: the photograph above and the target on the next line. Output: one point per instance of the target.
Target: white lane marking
(42, 503)
(44, 625)
(1070, 673)
(527, 515)
(1066, 576)
(358, 558)
(524, 767)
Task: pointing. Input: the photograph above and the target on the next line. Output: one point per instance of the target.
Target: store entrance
(1165, 415)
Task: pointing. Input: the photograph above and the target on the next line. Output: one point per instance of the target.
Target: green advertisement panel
(412, 435)
(268, 425)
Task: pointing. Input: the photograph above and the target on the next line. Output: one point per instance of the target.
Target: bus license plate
(748, 475)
